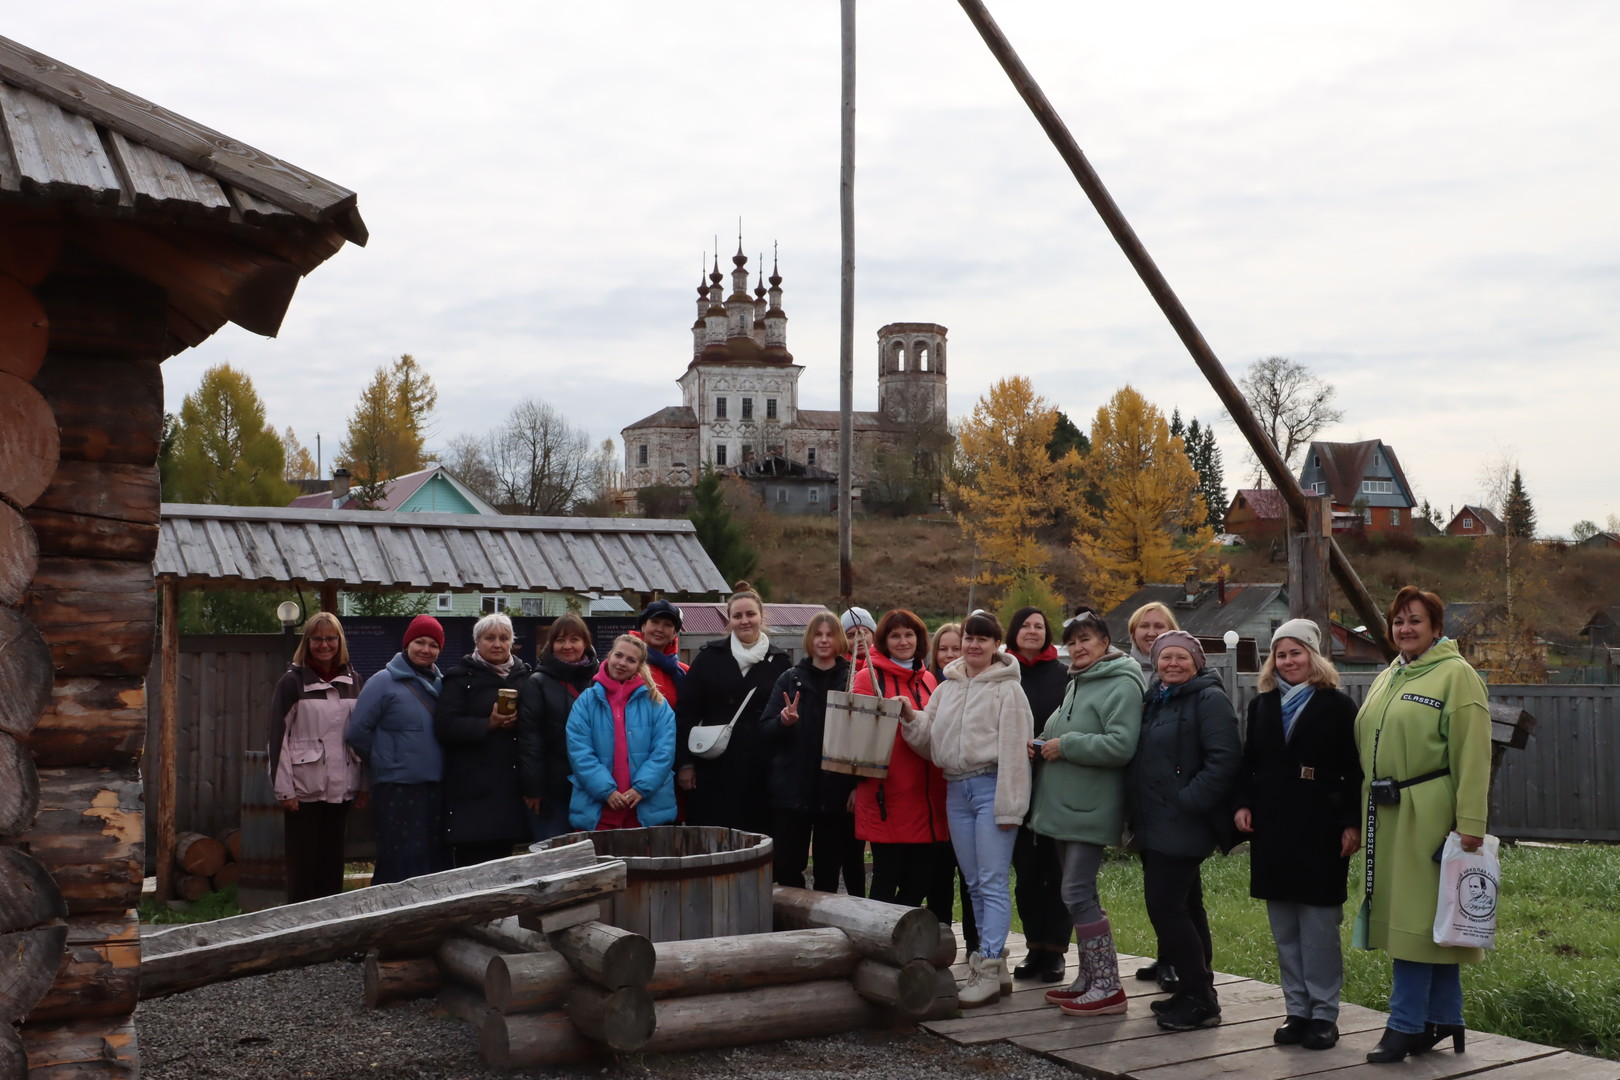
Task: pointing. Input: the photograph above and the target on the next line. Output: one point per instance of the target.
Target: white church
(740, 404)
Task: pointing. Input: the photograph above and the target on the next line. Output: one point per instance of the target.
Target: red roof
(1264, 502)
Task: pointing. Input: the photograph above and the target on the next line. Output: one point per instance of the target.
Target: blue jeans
(1424, 993)
(984, 851)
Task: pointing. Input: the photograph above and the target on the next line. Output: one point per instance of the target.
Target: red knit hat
(424, 626)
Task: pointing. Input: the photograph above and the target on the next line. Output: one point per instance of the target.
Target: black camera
(1386, 793)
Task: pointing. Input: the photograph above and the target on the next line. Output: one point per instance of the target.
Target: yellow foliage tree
(1151, 526)
(1008, 484)
(388, 428)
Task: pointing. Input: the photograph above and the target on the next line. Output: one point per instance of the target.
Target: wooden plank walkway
(1132, 1046)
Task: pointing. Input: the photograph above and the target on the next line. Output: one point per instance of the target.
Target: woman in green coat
(1424, 735)
(1079, 796)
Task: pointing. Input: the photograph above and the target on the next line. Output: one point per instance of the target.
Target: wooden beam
(185, 140)
(25, 672)
(316, 931)
(1158, 287)
(887, 932)
(29, 442)
(1308, 546)
(168, 739)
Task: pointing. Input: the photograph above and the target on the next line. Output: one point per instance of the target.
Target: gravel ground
(311, 1024)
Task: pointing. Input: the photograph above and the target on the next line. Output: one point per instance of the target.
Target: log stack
(546, 998)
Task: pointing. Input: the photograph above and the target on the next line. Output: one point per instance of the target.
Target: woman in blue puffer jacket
(392, 731)
(621, 746)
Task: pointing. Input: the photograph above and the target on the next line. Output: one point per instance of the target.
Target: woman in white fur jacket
(976, 729)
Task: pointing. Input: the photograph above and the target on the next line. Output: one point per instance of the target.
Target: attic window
(1468, 523)
(1316, 461)
(1377, 487)
(810, 456)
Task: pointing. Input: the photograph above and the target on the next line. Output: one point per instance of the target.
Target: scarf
(503, 670)
(325, 674)
(748, 656)
(1293, 700)
(618, 696)
(1048, 653)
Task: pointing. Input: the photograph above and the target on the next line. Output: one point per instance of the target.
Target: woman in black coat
(1297, 799)
(732, 790)
(483, 795)
(1037, 873)
(1178, 791)
(564, 670)
(809, 802)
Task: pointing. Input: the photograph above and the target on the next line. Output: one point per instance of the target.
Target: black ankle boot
(1050, 965)
(1032, 965)
(1148, 972)
(1395, 1045)
(1434, 1034)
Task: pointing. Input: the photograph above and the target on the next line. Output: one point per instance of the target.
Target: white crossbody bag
(709, 741)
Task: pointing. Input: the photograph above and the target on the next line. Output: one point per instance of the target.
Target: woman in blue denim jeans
(975, 729)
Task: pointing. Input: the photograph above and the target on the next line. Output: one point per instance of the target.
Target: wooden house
(1601, 540)
(1369, 489)
(1474, 521)
(1505, 649)
(128, 233)
(1210, 609)
(1258, 515)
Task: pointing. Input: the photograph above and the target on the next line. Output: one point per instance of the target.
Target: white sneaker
(984, 981)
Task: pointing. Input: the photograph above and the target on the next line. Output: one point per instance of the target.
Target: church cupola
(775, 319)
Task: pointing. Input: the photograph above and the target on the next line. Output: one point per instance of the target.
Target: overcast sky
(1415, 200)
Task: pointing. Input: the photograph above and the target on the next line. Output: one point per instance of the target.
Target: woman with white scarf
(1297, 800)
(483, 792)
(732, 790)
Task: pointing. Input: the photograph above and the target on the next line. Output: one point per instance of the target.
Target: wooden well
(687, 881)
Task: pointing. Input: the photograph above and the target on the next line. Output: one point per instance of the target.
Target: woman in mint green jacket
(1079, 796)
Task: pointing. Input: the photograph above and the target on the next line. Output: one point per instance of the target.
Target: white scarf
(749, 655)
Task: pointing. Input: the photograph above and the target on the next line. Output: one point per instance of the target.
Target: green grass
(215, 905)
(1553, 979)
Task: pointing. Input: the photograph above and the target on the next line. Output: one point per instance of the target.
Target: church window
(922, 356)
(641, 454)
(810, 457)
(720, 451)
(770, 408)
(748, 408)
(719, 408)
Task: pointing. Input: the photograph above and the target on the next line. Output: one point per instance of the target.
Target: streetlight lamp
(287, 612)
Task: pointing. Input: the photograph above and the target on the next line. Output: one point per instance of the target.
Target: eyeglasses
(323, 640)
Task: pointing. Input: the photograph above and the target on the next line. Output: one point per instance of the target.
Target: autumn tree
(300, 465)
(1584, 529)
(388, 429)
(1291, 404)
(1009, 486)
(466, 457)
(1154, 523)
(222, 450)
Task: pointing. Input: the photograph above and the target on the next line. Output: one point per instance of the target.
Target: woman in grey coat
(1177, 792)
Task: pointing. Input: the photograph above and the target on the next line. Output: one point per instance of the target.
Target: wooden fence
(1565, 785)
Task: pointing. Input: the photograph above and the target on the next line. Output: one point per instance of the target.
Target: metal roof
(444, 552)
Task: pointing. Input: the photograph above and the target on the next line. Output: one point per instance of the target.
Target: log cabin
(128, 233)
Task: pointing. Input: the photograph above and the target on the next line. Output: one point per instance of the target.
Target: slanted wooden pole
(168, 737)
(846, 312)
(1308, 568)
(1159, 287)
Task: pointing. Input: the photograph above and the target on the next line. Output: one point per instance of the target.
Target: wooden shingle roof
(445, 552)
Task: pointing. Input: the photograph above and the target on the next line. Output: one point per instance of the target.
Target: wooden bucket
(686, 881)
(858, 737)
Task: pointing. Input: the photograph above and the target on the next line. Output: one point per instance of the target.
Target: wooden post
(329, 598)
(846, 309)
(1308, 569)
(168, 738)
(1158, 287)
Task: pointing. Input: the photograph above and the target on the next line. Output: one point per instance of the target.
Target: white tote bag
(1465, 914)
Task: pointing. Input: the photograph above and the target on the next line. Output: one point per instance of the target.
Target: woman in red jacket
(903, 815)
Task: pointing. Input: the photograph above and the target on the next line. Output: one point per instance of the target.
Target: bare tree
(1291, 404)
(541, 462)
(467, 458)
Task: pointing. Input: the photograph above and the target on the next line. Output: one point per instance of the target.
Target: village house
(1258, 515)
(740, 411)
(1369, 489)
(1474, 521)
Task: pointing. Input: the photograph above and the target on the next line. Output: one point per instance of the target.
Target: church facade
(740, 409)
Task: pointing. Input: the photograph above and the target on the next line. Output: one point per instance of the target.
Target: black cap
(660, 609)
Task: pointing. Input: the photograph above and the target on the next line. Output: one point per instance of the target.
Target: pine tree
(1518, 513)
(1205, 458)
(1154, 523)
(721, 535)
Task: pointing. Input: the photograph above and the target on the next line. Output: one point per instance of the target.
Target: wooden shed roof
(226, 230)
(199, 545)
